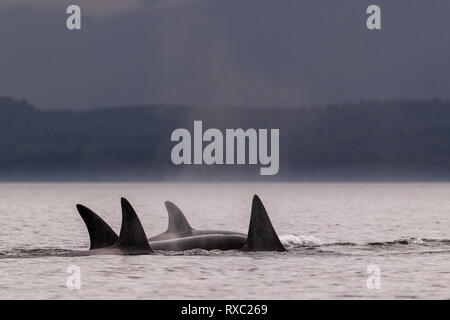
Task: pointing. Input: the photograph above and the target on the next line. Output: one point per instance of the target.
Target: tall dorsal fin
(132, 235)
(177, 221)
(261, 234)
(100, 233)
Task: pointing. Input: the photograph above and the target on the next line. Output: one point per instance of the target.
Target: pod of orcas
(179, 236)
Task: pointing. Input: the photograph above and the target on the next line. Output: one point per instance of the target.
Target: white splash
(291, 240)
(416, 241)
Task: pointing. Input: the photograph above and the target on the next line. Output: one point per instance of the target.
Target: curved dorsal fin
(132, 235)
(261, 234)
(177, 221)
(100, 233)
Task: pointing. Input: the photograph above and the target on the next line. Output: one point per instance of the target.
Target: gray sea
(345, 241)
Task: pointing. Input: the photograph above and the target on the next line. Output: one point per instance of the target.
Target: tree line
(379, 140)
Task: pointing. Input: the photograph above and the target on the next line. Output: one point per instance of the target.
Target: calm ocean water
(334, 232)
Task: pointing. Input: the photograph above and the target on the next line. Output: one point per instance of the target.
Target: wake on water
(293, 241)
(289, 241)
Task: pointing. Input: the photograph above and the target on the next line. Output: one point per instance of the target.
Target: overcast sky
(222, 52)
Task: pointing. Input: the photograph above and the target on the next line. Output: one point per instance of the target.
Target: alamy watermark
(374, 280)
(74, 279)
(73, 21)
(229, 148)
(373, 22)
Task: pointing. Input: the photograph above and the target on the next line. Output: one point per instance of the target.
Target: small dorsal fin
(261, 234)
(177, 221)
(132, 235)
(100, 233)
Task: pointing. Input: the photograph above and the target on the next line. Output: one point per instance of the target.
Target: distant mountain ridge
(387, 140)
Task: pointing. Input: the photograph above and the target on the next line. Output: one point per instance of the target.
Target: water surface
(334, 232)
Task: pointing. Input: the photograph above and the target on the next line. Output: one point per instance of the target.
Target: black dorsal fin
(132, 235)
(261, 234)
(177, 221)
(100, 233)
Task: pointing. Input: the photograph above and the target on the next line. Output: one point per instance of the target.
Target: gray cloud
(223, 52)
(96, 8)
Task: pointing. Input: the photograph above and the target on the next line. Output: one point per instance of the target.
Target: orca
(261, 235)
(205, 242)
(179, 226)
(132, 239)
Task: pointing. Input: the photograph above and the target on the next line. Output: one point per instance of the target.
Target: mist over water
(333, 231)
